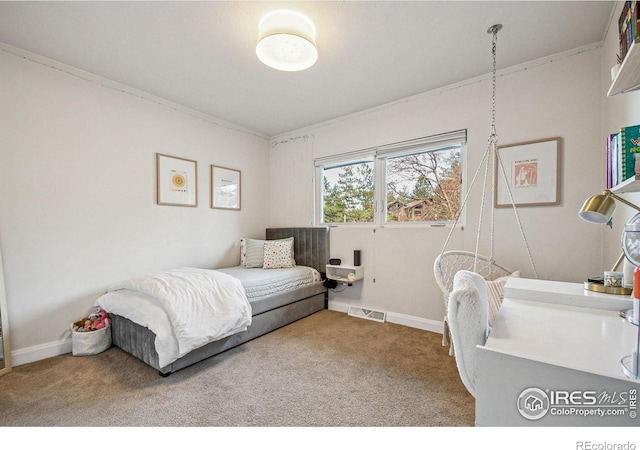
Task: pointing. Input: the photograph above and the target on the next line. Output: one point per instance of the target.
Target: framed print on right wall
(532, 172)
(225, 188)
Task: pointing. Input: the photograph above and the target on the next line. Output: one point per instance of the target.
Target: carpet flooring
(326, 370)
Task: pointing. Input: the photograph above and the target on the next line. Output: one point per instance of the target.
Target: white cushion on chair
(468, 320)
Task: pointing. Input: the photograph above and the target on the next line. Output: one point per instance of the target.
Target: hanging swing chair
(449, 262)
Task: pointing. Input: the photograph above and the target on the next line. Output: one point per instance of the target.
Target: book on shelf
(630, 147)
(628, 26)
(610, 162)
(622, 150)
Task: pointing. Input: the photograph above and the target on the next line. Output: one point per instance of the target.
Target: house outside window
(412, 182)
(424, 186)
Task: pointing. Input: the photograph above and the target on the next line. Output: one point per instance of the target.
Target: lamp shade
(598, 209)
(287, 41)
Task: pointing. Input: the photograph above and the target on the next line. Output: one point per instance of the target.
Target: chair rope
(491, 154)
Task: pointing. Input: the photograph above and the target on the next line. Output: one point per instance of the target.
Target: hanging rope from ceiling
(491, 154)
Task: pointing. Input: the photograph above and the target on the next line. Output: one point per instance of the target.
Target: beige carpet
(328, 369)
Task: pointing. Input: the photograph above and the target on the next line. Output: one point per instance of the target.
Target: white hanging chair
(448, 263)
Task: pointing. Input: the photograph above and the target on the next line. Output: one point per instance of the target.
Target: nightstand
(341, 273)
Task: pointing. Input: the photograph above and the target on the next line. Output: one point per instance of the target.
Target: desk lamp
(600, 209)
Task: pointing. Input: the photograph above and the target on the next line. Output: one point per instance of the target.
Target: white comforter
(201, 305)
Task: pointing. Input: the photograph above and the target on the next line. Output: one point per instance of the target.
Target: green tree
(333, 204)
(351, 198)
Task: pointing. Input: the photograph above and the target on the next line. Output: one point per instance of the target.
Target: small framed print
(177, 181)
(532, 172)
(225, 188)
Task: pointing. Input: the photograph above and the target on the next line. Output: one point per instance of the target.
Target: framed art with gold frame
(226, 188)
(532, 172)
(177, 181)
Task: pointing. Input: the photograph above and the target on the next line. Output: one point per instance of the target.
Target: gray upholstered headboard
(310, 245)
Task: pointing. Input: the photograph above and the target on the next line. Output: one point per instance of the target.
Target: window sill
(397, 226)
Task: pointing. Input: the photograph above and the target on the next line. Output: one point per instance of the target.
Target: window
(348, 193)
(418, 181)
(424, 186)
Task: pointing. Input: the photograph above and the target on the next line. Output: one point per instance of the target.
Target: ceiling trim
(452, 87)
(123, 88)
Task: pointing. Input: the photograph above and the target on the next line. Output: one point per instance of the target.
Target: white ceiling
(202, 54)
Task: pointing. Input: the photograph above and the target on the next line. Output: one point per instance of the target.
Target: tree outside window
(348, 193)
(407, 186)
(424, 187)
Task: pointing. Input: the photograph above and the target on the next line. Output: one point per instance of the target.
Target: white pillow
(254, 252)
(277, 254)
(495, 289)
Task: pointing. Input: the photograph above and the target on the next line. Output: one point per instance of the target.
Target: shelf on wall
(628, 77)
(630, 185)
(341, 273)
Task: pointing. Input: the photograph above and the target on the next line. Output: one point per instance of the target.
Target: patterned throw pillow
(277, 254)
(495, 289)
(253, 252)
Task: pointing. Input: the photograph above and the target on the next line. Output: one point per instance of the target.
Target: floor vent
(363, 313)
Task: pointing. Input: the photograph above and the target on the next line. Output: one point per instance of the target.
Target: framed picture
(532, 172)
(177, 181)
(225, 188)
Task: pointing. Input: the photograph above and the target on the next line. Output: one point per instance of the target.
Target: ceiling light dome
(287, 41)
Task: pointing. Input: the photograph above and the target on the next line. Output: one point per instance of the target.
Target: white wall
(78, 209)
(618, 111)
(557, 96)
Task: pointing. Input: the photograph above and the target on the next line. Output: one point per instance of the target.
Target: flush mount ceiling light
(287, 41)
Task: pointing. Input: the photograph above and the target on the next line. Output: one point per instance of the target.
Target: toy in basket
(91, 335)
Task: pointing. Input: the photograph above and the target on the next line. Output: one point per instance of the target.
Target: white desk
(544, 347)
(561, 292)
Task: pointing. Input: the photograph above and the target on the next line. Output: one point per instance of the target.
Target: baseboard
(49, 350)
(434, 326)
(38, 352)
(400, 319)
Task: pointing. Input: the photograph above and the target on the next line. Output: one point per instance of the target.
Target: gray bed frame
(311, 248)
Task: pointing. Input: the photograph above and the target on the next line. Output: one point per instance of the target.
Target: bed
(277, 297)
